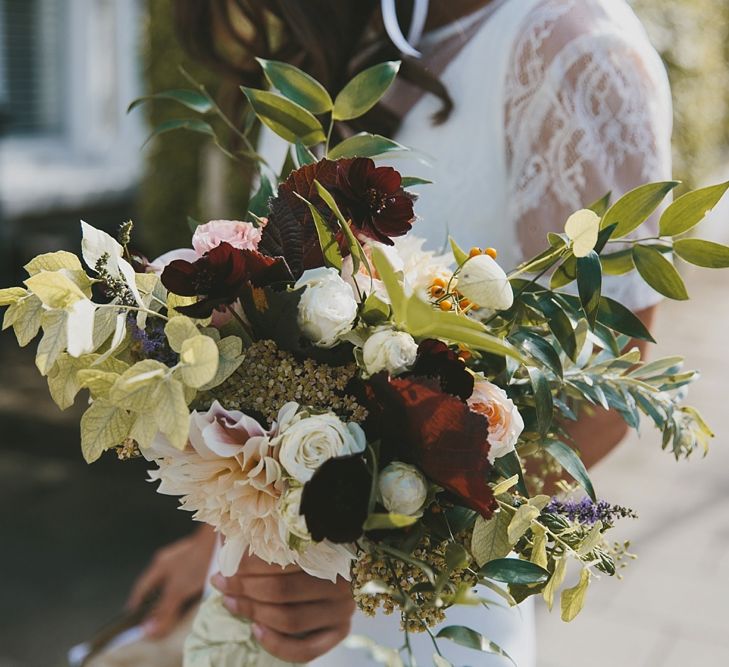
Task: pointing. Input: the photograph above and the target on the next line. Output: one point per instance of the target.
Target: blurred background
(73, 538)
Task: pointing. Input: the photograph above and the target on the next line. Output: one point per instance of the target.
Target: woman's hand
(177, 574)
(296, 617)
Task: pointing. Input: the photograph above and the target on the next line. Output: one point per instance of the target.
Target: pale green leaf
(103, 426)
(555, 581)
(503, 487)
(199, 360)
(490, 538)
(54, 340)
(11, 295)
(659, 273)
(297, 86)
(539, 546)
(171, 412)
(178, 330)
(364, 91)
(137, 387)
(582, 229)
(289, 120)
(471, 639)
(143, 430)
(63, 380)
(54, 261)
(520, 522)
(25, 318)
(229, 349)
(460, 255)
(54, 289)
(690, 209)
(573, 599)
(98, 382)
(593, 539)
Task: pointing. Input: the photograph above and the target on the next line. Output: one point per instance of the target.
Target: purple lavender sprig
(588, 512)
(151, 341)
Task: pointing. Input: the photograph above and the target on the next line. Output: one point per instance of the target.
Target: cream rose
(505, 422)
(292, 521)
(389, 350)
(307, 440)
(483, 282)
(241, 235)
(403, 489)
(327, 308)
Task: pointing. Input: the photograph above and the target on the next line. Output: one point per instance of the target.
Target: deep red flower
(419, 423)
(436, 360)
(220, 276)
(374, 199)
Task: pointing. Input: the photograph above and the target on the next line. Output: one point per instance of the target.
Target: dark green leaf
(286, 118)
(542, 398)
(456, 556)
(258, 205)
(571, 463)
(297, 86)
(410, 181)
(327, 239)
(288, 166)
(634, 208)
(192, 99)
(192, 223)
(603, 237)
(702, 253)
(601, 206)
(606, 337)
(565, 273)
(364, 145)
(514, 571)
(509, 465)
(364, 91)
(589, 284)
(471, 639)
(303, 154)
(540, 349)
(617, 263)
(659, 273)
(619, 318)
(189, 124)
(560, 325)
(689, 210)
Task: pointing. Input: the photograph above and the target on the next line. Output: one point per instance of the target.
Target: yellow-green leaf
(659, 273)
(504, 486)
(98, 382)
(521, 521)
(539, 547)
(171, 412)
(53, 261)
(297, 86)
(365, 144)
(634, 208)
(199, 359)
(698, 252)
(54, 289)
(229, 349)
(11, 295)
(178, 330)
(390, 521)
(573, 599)
(364, 91)
(286, 118)
(556, 580)
(690, 209)
(144, 430)
(490, 538)
(63, 378)
(103, 426)
(136, 388)
(54, 341)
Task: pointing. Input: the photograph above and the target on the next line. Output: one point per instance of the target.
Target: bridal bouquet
(325, 392)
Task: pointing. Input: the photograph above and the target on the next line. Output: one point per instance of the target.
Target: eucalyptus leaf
(659, 273)
(540, 349)
(190, 124)
(690, 209)
(410, 181)
(514, 571)
(571, 463)
(634, 208)
(289, 120)
(364, 91)
(192, 99)
(364, 144)
(471, 639)
(702, 253)
(297, 86)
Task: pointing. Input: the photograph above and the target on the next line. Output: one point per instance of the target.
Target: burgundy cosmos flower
(220, 275)
(374, 198)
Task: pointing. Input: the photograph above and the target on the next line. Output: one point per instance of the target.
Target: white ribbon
(415, 32)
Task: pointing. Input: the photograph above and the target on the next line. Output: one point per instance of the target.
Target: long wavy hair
(330, 39)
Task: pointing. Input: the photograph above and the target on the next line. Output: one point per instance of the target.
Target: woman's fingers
(304, 649)
(287, 589)
(254, 566)
(150, 580)
(164, 617)
(293, 619)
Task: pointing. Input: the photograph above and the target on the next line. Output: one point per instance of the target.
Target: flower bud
(393, 351)
(403, 489)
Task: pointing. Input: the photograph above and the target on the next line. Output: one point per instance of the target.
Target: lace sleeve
(587, 112)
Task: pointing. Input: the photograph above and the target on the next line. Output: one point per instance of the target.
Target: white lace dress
(557, 102)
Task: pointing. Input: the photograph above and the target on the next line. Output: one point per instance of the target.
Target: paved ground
(73, 536)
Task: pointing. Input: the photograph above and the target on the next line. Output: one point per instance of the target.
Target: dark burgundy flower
(336, 499)
(436, 360)
(374, 199)
(220, 276)
(419, 423)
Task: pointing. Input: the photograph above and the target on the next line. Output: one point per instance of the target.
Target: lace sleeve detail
(587, 112)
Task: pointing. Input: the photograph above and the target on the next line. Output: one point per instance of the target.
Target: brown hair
(330, 39)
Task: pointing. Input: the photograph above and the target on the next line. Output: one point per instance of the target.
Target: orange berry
(438, 282)
(474, 251)
(446, 305)
(437, 291)
(491, 252)
(464, 303)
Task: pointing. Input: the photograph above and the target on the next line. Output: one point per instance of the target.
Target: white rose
(327, 307)
(505, 422)
(393, 351)
(309, 440)
(403, 489)
(483, 282)
(292, 521)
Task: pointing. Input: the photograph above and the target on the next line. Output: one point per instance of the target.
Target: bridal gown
(557, 102)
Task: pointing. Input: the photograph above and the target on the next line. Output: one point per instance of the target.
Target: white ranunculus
(505, 422)
(309, 440)
(327, 307)
(292, 521)
(386, 349)
(483, 282)
(403, 489)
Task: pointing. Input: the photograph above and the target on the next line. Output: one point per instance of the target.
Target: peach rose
(505, 422)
